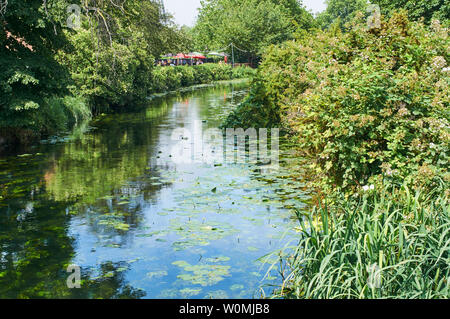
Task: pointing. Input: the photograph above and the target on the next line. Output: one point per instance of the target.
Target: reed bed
(393, 243)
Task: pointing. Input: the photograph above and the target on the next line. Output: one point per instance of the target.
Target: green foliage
(426, 9)
(59, 114)
(112, 59)
(242, 72)
(367, 104)
(340, 12)
(172, 78)
(161, 34)
(251, 25)
(112, 75)
(276, 81)
(380, 107)
(114, 68)
(256, 111)
(387, 244)
(30, 75)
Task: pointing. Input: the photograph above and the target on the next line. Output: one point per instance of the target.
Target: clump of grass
(386, 244)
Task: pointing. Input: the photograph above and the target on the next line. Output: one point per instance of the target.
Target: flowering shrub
(367, 105)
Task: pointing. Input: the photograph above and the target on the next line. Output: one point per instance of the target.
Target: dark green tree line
(56, 71)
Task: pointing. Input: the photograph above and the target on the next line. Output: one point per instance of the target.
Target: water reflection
(114, 202)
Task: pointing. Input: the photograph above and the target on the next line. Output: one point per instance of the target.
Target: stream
(113, 199)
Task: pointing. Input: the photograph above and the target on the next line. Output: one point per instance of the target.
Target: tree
(340, 12)
(160, 32)
(251, 25)
(30, 34)
(115, 50)
(428, 9)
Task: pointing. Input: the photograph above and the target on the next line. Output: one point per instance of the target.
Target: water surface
(112, 200)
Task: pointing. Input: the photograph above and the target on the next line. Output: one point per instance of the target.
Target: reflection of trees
(109, 283)
(99, 163)
(35, 252)
(91, 176)
(35, 248)
(221, 93)
(106, 168)
(120, 150)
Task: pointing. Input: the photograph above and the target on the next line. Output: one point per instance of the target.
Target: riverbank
(370, 115)
(58, 115)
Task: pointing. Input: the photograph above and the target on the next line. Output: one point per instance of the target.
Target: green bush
(384, 244)
(108, 75)
(187, 76)
(172, 78)
(203, 75)
(166, 78)
(53, 115)
(364, 105)
(243, 72)
(255, 111)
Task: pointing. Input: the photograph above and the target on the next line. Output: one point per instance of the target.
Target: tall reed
(392, 243)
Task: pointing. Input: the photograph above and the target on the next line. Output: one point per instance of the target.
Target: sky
(185, 11)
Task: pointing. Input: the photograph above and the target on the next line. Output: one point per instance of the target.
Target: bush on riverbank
(109, 75)
(364, 106)
(54, 115)
(172, 78)
(369, 110)
(388, 243)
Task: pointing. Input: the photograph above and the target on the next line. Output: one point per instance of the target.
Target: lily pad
(202, 274)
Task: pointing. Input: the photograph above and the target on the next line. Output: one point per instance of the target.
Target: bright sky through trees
(185, 11)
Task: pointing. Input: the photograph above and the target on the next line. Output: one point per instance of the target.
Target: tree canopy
(250, 25)
(340, 11)
(343, 11)
(62, 59)
(417, 9)
(29, 37)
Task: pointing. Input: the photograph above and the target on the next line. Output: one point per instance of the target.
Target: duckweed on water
(202, 274)
(217, 259)
(198, 233)
(189, 292)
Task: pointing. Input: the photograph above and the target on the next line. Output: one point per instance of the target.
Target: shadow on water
(113, 201)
